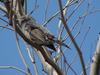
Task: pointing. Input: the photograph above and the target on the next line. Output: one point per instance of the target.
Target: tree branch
(71, 37)
(95, 66)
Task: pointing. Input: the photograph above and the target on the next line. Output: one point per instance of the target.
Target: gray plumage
(38, 34)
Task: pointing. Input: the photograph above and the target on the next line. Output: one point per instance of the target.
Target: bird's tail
(61, 43)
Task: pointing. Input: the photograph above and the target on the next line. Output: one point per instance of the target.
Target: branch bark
(95, 65)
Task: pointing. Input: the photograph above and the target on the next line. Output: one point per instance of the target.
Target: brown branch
(49, 60)
(71, 37)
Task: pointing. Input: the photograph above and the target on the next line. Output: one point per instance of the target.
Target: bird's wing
(47, 33)
(37, 36)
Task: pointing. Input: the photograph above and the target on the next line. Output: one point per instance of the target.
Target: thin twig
(46, 9)
(73, 61)
(84, 37)
(72, 28)
(35, 7)
(4, 20)
(55, 14)
(75, 9)
(68, 63)
(14, 67)
(74, 37)
(77, 21)
(7, 28)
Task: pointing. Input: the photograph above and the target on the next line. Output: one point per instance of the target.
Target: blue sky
(9, 55)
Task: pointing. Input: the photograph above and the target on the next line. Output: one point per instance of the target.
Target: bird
(39, 35)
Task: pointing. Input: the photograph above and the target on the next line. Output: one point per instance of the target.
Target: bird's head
(25, 19)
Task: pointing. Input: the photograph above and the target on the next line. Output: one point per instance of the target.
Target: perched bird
(37, 33)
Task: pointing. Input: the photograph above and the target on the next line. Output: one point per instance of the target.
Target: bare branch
(14, 67)
(71, 37)
(31, 55)
(7, 28)
(84, 37)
